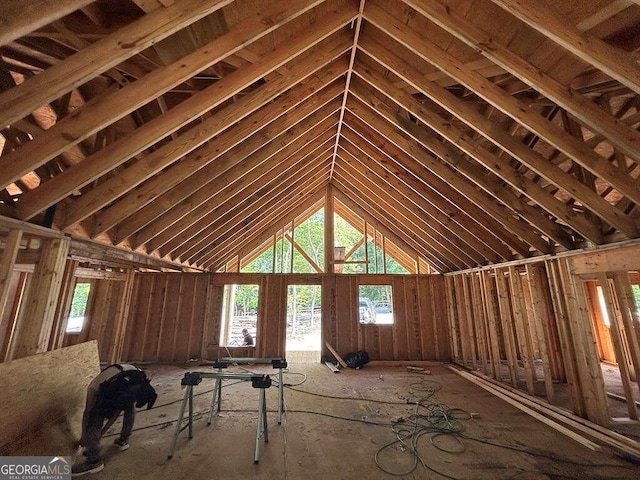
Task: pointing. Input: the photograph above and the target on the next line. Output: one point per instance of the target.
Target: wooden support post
(470, 320)
(616, 335)
(12, 245)
(506, 318)
(63, 305)
(626, 302)
(463, 324)
(491, 314)
(329, 209)
(588, 363)
(33, 329)
(453, 319)
(522, 331)
(480, 321)
(121, 320)
(539, 311)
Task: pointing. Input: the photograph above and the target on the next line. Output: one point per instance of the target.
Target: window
(239, 311)
(375, 304)
(75, 322)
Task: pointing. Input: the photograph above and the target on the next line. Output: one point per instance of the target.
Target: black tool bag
(356, 359)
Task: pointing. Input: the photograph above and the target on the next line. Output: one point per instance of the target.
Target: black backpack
(123, 390)
(356, 359)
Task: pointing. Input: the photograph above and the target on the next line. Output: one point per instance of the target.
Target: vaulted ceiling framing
(468, 132)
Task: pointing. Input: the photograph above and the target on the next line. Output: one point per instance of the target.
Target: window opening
(375, 304)
(239, 312)
(75, 322)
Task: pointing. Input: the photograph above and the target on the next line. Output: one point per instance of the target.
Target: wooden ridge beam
(580, 107)
(495, 133)
(571, 146)
(110, 108)
(100, 56)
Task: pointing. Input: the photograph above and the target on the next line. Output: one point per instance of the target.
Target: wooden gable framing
(470, 132)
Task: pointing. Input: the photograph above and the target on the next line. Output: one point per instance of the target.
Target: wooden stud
(506, 318)
(522, 332)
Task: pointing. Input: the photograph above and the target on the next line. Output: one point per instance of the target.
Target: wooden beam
(18, 18)
(497, 135)
(470, 217)
(7, 262)
(615, 62)
(352, 59)
(100, 56)
(174, 227)
(528, 410)
(255, 224)
(424, 244)
(34, 327)
(376, 113)
(226, 221)
(110, 108)
(390, 207)
(117, 185)
(240, 136)
(580, 107)
(530, 119)
(374, 175)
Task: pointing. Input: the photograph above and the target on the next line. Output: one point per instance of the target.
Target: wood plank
(110, 108)
(33, 329)
(506, 319)
(580, 107)
(50, 408)
(538, 313)
(17, 18)
(336, 356)
(98, 57)
(529, 411)
(628, 314)
(9, 254)
(520, 320)
(492, 315)
(613, 61)
(616, 336)
(497, 135)
(622, 258)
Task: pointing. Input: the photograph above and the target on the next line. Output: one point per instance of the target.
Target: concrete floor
(311, 446)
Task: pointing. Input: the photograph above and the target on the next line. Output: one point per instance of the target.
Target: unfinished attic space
(320, 239)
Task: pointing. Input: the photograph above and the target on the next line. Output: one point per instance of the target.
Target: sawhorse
(191, 379)
(276, 362)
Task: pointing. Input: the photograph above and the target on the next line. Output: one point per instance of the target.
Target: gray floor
(340, 440)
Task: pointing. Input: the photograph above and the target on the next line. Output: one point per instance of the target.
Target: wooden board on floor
(42, 400)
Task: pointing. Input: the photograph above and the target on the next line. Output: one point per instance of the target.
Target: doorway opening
(304, 320)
